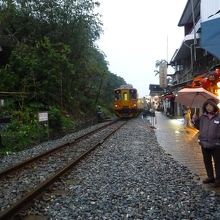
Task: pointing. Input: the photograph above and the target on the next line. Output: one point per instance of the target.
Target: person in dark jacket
(209, 139)
(99, 114)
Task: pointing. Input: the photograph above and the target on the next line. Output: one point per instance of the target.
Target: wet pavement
(181, 143)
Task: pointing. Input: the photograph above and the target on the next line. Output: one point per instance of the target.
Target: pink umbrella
(194, 97)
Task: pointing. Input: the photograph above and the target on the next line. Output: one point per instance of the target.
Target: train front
(125, 103)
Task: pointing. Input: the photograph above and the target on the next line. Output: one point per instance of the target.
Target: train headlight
(116, 106)
(218, 84)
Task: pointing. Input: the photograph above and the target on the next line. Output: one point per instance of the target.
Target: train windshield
(133, 94)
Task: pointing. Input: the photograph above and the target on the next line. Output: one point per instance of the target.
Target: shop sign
(163, 75)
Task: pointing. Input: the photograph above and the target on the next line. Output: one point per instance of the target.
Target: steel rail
(26, 200)
(57, 148)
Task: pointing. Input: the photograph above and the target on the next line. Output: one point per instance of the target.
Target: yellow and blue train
(126, 102)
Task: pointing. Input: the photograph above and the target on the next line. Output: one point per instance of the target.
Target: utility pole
(194, 31)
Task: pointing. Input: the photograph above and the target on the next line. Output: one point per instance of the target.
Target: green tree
(52, 52)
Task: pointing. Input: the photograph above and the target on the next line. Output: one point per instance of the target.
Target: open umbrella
(194, 97)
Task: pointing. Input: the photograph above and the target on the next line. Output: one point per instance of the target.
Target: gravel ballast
(17, 157)
(129, 177)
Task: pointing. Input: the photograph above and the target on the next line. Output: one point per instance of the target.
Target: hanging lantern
(217, 73)
(211, 77)
(197, 82)
(206, 83)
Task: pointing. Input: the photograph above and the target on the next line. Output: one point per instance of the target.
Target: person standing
(99, 114)
(209, 139)
(187, 117)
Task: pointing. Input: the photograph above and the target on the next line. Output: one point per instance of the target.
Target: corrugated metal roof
(209, 9)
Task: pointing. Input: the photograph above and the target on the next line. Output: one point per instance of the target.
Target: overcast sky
(136, 34)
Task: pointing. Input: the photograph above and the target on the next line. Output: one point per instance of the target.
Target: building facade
(193, 59)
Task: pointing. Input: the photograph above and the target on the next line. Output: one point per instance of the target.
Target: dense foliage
(50, 61)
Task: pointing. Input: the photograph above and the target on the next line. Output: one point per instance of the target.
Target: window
(117, 95)
(125, 96)
(133, 94)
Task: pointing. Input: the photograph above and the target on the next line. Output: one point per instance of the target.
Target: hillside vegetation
(50, 62)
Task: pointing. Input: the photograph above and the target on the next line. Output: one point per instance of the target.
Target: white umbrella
(194, 97)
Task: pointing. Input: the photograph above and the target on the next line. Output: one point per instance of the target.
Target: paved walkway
(181, 143)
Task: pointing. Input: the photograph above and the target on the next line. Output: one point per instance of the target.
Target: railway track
(20, 184)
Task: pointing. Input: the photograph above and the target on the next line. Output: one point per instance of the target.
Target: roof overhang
(186, 17)
(185, 49)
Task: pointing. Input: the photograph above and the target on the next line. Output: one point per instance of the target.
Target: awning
(210, 36)
(168, 97)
